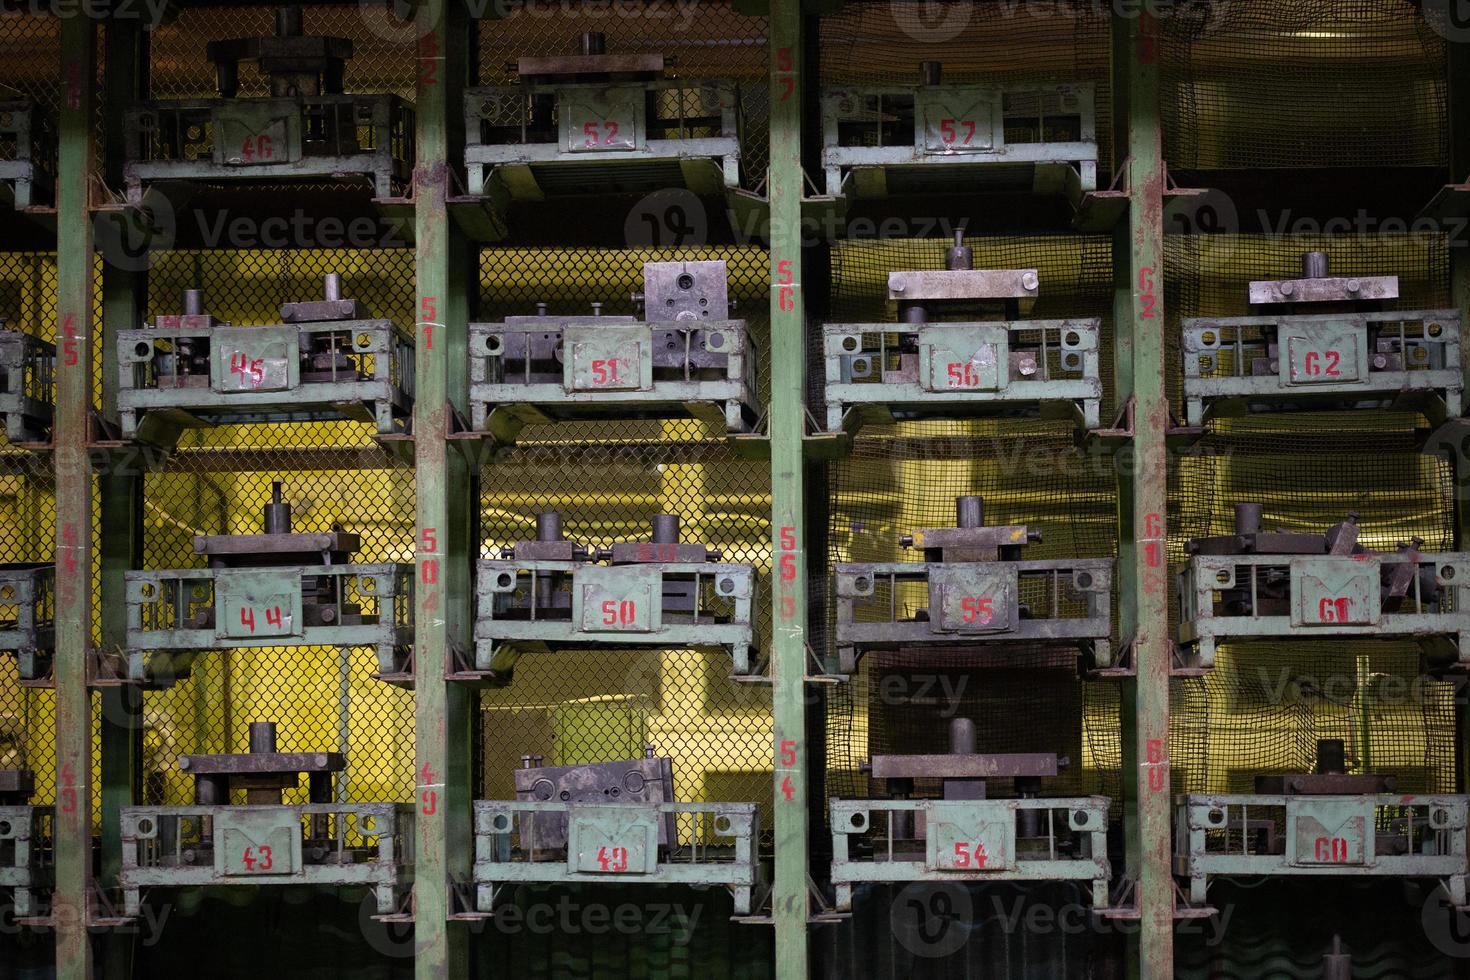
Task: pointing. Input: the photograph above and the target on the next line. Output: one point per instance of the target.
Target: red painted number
(788, 789)
(247, 617)
(429, 571)
(785, 68)
(250, 370)
(964, 855)
(429, 312)
(786, 564)
(977, 608)
(612, 859)
(1322, 364)
(786, 286)
(273, 616)
(1153, 753)
(1333, 850)
(604, 135)
(429, 803)
(1148, 51)
(1146, 298)
(605, 372)
(615, 613)
(788, 752)
(1335, 610)
(257, 858)
(962, 375)
(949, 131)
(68, 789)
(428, 60)
(256, 148)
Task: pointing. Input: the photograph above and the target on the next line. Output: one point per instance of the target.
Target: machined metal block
(191, 371)
(547, 139)
(662, 843)
(27, 611)
(527, 606)
(1033, 839)
(1409, 594)
(882, 140)
(1381, 835)
(323, 844)
(958, 604)
(911, 371)
(27, 386)
(27, 861)
(1322, 361)
(173, 615)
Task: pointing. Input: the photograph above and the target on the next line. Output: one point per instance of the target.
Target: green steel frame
(446, 281)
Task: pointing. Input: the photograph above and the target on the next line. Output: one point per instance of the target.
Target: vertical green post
(1457, 63)
(787, 419)
(1138, 257)
(73, 827)
(444, 492)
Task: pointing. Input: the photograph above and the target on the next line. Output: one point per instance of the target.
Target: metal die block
(611, 357)
(969, 357)
(602, 120)
(1342, 590)
(255, 359)
(1323, 350)
(980, 838)
(706, 844)
(257, 841)
(612, 839)
(250, 132)
(1329, 831)
(958, 119)
(258, 603)
(623, 599)
(973, 597)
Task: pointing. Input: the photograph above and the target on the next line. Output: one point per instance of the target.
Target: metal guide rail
(27, 624)
(26, 859)
(1255, 584)
(324, 361)
(612, 821)
(595, 123)
(27, 154)
(548, 594)
(973, 588)
(307, 129)
(271, 590)
(964, 836)
(27, 386)
(1322, 342)
(937, 137)
(979, 364)
(686, 358)
(265, 842)
(1323, 824)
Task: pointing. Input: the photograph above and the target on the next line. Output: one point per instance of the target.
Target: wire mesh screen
(1266, 703)
(31, 47)
(1027, 473)
(322, 699)
(1210, 275)
(1075, 274)
(607, 480)
(704, 40)
(383, 52)
(1004, 44)
(1306, 84)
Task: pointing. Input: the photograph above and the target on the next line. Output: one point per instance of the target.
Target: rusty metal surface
(962, 284)
(964, 766)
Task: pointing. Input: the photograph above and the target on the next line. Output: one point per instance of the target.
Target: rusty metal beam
(444, 485)
(1138, 257)
(74, 333)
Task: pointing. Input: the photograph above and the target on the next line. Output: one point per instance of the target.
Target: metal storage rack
(1153, 86)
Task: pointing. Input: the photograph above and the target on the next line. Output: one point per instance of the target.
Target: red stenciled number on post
(428, 45)
(785, 286)
(1153, 753)
(612, 858)
(785, 74)
(68, 793)
(1147, 300)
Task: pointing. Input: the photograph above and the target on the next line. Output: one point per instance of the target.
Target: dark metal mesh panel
(607, 480)
(27, 525)
(706, 39)
(323, 699)
(1209, 275)
(1266, 703)
(1028, 473)
(382, 60)
(1302, 84)
(1004, 43)
(1075, 274)
(30, 45)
